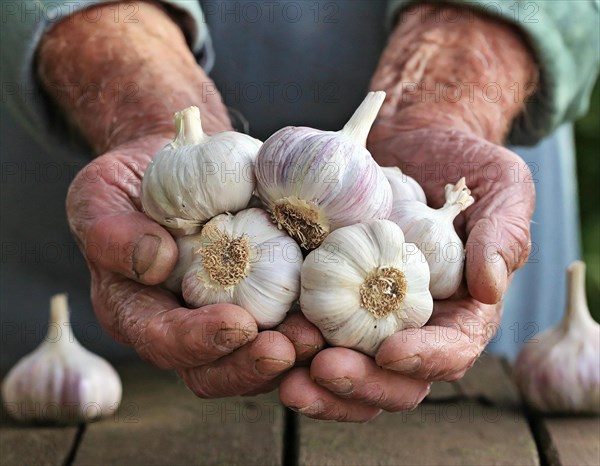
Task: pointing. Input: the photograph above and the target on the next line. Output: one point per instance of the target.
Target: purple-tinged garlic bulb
(559, 371)
(61, 381)
(404, 188)
(314, 182)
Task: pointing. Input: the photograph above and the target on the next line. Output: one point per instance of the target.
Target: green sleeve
(563, 34)
(24, 23)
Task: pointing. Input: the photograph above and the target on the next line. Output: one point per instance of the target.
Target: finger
(355, 376)
(306, 337)
(498, 227)
(447, 346)
(163, 332)
(300, 393)
(245, 371)
(103, 209)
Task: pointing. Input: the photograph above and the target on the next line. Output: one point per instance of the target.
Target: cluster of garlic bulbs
(240, 238)
(241, 212)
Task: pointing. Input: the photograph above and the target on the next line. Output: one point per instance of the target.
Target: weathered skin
(415, 130)
(412, 129)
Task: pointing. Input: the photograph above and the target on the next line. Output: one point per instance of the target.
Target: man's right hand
(217, 349)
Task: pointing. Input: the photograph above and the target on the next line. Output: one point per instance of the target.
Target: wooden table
(477, 421)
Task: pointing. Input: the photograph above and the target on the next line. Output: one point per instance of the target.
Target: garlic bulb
(61, 381)
(404, 188)
(245, 260)
(314, 182)
(559, 371)
(432, 230)
(363, 284)
(197, 176)
(186, 247)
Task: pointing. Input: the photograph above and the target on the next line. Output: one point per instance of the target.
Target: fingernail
(339, 386)
(406, 365)
(312, 409)
(424, 393)
(145, 253)
(228, 339)
(268, 366)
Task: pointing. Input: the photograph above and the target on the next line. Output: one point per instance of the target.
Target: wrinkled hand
(345, 385)
(217, 350)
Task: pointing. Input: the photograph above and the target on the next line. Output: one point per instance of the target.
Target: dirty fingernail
(406, 365)
(312, 409)
(228, 339)
(145, 253)
(339, 386)
(268, 366)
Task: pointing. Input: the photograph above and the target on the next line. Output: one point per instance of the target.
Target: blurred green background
(587, 140)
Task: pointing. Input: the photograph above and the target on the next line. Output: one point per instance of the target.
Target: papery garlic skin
(197, 176)
(61, 381)
(363, 284)
(315, 181)
(186, 247)
(245, 260)
(432, 230)
(404, 188)
(559, 370)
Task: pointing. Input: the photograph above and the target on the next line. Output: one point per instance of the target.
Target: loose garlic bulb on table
(314, 182)
(404, 188)
(363, 284)
(197, 176)
(432, 230)
(560, 370)
(61, 381)
(245, 260)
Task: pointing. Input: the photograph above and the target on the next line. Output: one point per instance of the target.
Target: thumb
(112, 233)
(133, 245)
(499, 237)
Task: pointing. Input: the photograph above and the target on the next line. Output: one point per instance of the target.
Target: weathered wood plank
(40, 446)
(161, 422)
(27, 445)
(489, 381)
(572, 441)
(483, 428)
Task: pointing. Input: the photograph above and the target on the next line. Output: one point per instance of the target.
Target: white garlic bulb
(186, 246)
(197, 176)
(314, 182)
(432, 230)
(245, 260)
(61, 381)
(559, 371)
(404, 187)
(363, 284)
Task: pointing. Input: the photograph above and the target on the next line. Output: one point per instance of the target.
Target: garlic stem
(59, 310)
(577, 314)
(458, 197)
(188, 127)
(360, 123)
(59, 324)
